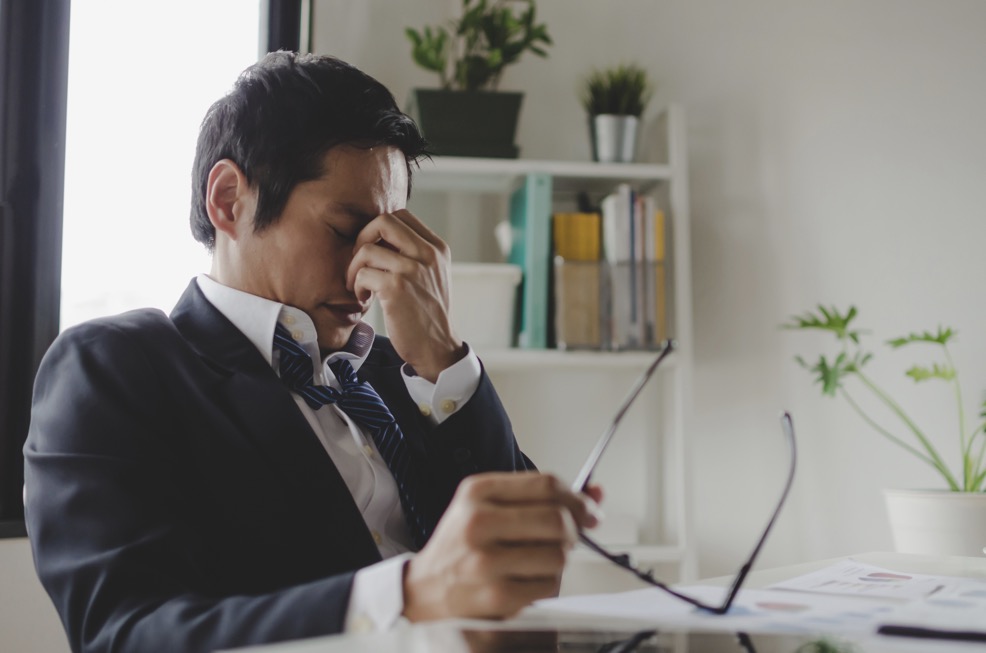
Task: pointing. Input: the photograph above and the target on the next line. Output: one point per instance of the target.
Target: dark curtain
(33, 88)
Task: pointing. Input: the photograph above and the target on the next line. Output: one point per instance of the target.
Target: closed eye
(349, 238)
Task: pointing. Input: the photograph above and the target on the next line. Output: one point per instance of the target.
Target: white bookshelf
(501, 360)
(560, 401)
(504, 175)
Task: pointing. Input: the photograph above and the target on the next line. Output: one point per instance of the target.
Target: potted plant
(615, 98)
(923, 521)
(467, 116)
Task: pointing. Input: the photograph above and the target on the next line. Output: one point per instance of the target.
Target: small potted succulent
(951, 521)
(615, 98)
(467, 116)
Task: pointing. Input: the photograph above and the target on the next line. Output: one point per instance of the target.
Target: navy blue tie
(365, 407)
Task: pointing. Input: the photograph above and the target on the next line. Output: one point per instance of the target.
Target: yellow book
(576, 236)
(656, 326)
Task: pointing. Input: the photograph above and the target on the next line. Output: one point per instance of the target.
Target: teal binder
(530, 219)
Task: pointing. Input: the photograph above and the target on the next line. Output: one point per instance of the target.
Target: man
(258, 466)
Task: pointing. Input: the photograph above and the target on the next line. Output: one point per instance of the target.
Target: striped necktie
(365, 407)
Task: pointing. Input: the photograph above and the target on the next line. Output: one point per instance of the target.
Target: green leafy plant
(827, 645)
(471, 52)
(623, 90)
(834, 373)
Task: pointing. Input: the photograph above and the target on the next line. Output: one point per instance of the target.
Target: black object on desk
(920, 632)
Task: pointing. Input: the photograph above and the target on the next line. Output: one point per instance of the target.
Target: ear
(229, 200)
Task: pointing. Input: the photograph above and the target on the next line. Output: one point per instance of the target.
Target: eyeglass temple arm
(623, 560)
(787, 426)
(582, 480)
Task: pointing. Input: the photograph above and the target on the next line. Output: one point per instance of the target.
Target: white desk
(446, 636)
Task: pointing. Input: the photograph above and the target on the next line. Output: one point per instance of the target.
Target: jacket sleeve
(476, 438)
(479, 436)
(103, 510)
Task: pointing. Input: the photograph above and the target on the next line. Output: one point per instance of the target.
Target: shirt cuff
(377, 598)
(454, 387)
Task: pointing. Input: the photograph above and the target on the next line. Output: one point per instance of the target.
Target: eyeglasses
(622, 559)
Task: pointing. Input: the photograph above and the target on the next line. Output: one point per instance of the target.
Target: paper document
(846, 597)
(762, 611)
(849, 577)
(956, 611)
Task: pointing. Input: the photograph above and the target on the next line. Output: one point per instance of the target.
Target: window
(141, 77)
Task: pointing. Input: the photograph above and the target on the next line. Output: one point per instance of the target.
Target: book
(634, 277)
(656, 293)
(577, 280)
(530, 210)
(619, 272)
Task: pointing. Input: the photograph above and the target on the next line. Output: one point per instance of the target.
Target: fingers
(501, 545)
(507, 487)
(529, 562)
(390, 265)
(503, 599)
(530, 487)
(394, 249)
(404, 232)
(497, 525)
(419, 227)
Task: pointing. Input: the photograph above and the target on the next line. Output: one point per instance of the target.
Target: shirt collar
(256, 317)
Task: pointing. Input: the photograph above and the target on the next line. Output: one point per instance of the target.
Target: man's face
(301, 259)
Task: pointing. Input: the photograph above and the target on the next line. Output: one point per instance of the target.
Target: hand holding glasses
(622, 559)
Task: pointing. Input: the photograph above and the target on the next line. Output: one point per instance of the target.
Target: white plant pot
(937, 522)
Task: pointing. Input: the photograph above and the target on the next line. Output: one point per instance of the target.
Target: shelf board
(446, 173)
(642, 554)
(501, 360)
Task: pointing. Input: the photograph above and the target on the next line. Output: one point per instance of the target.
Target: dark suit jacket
(177, 500)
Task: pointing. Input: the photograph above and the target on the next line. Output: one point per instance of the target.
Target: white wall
(838, 155)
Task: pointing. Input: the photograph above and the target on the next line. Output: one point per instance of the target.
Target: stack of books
(610, 279)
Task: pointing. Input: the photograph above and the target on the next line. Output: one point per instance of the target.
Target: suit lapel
(252, 395)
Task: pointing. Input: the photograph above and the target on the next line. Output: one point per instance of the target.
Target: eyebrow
(352, 210)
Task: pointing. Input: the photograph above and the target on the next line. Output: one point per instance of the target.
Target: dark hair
(279, 120)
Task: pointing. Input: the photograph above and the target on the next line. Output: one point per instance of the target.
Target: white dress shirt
(376, 601)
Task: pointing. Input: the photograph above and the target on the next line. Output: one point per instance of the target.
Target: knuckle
(477, 525)
(481, 566)
(550, 484)
(499, 597)
(429, 256)
(470, 487)
(556, 520)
